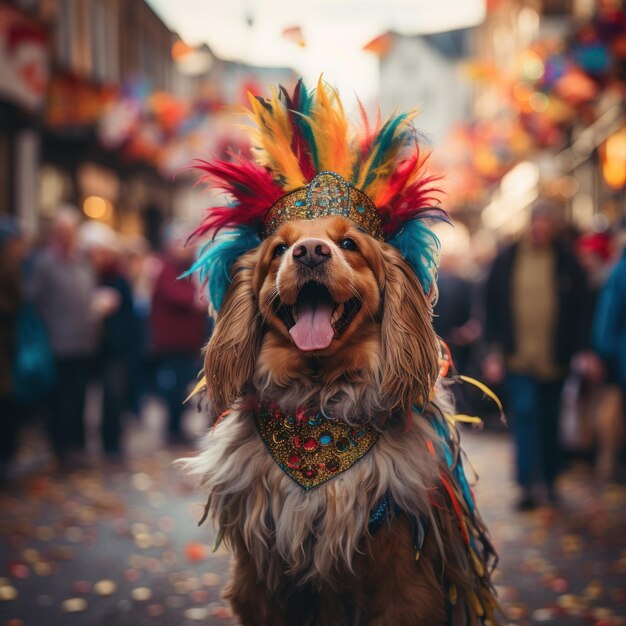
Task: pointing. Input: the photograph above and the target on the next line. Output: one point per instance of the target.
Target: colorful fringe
(471, 596)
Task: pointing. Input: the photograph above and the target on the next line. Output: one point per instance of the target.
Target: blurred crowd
(544, 323)
(89, 306)
(542, 320)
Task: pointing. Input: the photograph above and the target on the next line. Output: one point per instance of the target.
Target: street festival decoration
(558, 86)
(309, 162)
(23, 59)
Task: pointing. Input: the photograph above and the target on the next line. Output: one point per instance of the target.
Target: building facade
(99, 111)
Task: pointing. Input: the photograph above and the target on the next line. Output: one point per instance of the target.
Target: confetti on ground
(74, 605)
(122, 547)
(141, 594)
(105, 588)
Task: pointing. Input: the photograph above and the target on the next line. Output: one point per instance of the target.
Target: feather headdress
(304, 150)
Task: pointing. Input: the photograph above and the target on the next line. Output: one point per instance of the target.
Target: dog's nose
(311, 252)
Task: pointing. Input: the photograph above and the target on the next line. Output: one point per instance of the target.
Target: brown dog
(326, 326)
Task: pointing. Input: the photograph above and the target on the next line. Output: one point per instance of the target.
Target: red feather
(369, 132)
(399, 179)
(457, 508)
(412, 202)
(251, 187)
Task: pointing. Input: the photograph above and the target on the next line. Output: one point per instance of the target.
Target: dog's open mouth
(316, 319)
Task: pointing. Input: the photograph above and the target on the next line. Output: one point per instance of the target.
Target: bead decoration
(311, 448)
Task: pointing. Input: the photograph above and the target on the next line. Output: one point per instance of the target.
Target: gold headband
(327, 194)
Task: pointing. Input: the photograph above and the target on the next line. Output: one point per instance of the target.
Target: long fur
(231, 354)
(312, 536)
(313, 542)
(409, 361)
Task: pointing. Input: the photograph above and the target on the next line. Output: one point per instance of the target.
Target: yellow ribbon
(466, 419)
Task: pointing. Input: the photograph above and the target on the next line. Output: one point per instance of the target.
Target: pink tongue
(313, 330)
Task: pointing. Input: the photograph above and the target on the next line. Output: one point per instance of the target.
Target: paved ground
(119, 546)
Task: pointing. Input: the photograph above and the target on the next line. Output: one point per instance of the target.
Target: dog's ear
(231, 352)
(410, 353)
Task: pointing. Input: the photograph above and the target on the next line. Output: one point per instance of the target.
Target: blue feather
(420, 248)
(465, 488)
(444, 439)
(216, 258)
(442, 429)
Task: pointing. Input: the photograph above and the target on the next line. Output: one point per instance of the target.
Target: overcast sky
(335, 32)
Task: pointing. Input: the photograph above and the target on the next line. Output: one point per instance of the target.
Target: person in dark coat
(453, 316)
(178, 329)
(117, 332)
(537, 319)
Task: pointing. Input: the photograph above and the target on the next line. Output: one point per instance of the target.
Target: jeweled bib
(311, 448)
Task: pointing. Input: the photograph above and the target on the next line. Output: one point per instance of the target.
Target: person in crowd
(536, 313)
(138, 270)
(117, 333)
(11, 293)
(178, 328)
(595, 255)
(609, 340)
(453, 316)
(62, 286)
(583, 394)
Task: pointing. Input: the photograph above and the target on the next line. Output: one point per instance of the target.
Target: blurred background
(103, 106)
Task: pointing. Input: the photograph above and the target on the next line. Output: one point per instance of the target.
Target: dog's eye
(280, 249)
(348, 244)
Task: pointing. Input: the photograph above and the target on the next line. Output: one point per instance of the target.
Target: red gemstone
(300, 416)
(294, 461)
(297, 441)
(310, 445)
(309, 472)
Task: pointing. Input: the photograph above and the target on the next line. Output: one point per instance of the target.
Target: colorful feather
(474, 556)
(303, 141)
(383, 152)
(272, 141)
(250, 187)
(216, 258)
(415, 201)
(420, 248)
(295, 136)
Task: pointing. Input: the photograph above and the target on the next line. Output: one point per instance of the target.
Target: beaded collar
(311, 448)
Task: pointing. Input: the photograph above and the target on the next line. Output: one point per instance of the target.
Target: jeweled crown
(327, 194)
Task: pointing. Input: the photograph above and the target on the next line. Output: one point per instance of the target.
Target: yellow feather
(466, 419)
(330, 129)
(200, 385)
(475, 602)
(272, 137)
(484, 389)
